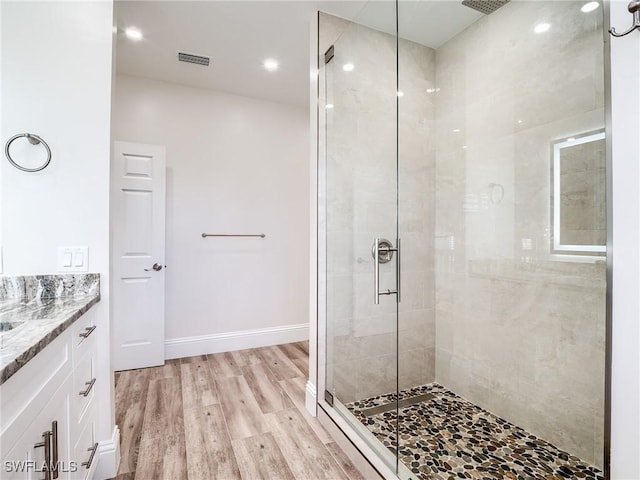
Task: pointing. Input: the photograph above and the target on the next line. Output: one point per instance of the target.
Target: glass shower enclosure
(463, 235)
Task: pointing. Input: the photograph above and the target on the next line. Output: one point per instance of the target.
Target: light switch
(66, 259)
(78, 258)
(73, 259)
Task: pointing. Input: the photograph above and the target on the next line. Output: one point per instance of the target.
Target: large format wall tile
(519, 331)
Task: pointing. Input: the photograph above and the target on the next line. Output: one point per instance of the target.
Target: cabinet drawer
(84, 386)
(27, 392)
(85, 452)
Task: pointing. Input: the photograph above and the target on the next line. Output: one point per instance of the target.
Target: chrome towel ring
(33, 140)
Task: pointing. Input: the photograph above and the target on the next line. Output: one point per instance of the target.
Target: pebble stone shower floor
(447, 437)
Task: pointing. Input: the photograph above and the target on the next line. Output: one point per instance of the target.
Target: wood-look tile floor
(235, 415)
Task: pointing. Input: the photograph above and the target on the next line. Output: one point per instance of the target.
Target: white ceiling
(239, 35)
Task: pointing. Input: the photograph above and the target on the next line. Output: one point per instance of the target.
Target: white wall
(234, 165)
(56, 83)
(625, 382)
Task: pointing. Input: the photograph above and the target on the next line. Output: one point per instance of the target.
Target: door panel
(361, 205)
(138, 252)
(137, 206)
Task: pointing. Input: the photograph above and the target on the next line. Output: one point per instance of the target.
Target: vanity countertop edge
(40, 314)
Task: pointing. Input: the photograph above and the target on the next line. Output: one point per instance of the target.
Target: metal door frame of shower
(357, 449)
(609, 249)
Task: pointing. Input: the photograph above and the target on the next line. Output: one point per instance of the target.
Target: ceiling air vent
(190, 58)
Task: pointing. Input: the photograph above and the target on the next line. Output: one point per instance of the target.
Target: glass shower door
(362, 276)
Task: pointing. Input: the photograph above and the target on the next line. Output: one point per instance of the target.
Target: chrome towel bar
(205, 235)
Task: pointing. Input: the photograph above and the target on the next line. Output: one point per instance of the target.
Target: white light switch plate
(73, 259)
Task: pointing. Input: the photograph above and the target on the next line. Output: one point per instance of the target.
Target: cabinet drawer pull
(87, 331)
(47, 452)
(54, 448)
(89, 387)
(93, 453)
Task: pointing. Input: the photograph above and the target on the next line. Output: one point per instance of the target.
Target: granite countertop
(35, 310)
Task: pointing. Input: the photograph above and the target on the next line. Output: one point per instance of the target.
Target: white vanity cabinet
(48, 409)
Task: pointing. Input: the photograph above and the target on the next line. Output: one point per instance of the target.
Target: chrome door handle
(376, 271)
(382, 253)
(398, 270)
(156, 267)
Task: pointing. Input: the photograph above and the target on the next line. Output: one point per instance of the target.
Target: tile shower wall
(519, 332)
(361, 205)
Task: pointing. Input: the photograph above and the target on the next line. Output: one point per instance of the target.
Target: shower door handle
(383, 252)
(398, 270)
(376, 271)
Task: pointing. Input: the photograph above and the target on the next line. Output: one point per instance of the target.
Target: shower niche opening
(470, 346)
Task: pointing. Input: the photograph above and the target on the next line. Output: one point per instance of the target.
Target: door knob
(157, 267)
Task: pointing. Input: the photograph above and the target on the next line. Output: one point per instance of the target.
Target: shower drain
(387, 407)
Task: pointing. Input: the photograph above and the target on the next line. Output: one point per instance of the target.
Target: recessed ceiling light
(270, 65)
(541, 27)
(456, 130)
(347, 67)
(328, 106)
(519, 122)
(133, 33)
(399, 93)
(590, 7)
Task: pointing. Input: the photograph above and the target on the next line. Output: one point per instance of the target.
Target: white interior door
(138, 223)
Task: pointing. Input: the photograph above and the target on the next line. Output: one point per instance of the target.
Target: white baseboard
(311, 398)
(108, 456)
(230, 341)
